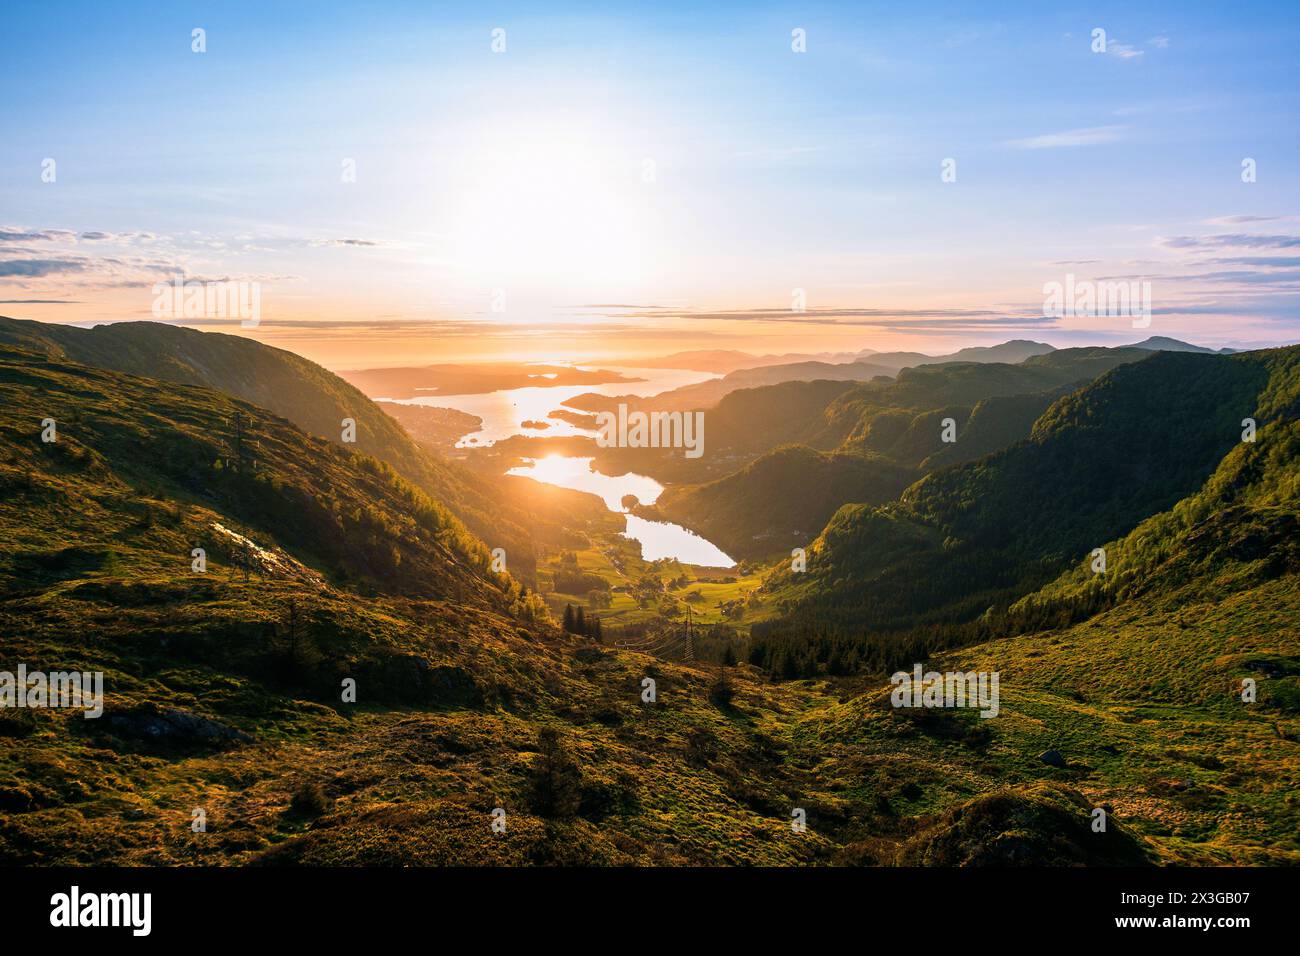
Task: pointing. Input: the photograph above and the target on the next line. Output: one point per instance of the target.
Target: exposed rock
(1053, 758)
(454, 687)
(170, 727)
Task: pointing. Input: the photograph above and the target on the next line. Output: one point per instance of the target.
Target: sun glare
(552, 211)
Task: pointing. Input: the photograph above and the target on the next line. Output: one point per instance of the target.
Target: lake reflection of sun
(553, 469)
(579, 475)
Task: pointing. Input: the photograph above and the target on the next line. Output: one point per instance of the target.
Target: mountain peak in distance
(1162, 343)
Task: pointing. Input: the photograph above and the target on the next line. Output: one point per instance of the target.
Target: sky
(417, 182)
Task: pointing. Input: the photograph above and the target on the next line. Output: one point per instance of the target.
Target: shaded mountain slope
(742, 426)
(1240, 529)
(127, 445)
(310, 396)
(851, 416)
(1163, 343)
(897, 424)
(1101, 460)
(782, 499)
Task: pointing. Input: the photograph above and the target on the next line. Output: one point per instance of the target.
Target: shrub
(310, 800)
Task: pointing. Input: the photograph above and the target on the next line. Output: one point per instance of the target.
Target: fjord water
(659, 539)
(577, 473)
(663, 539)
(504, 412)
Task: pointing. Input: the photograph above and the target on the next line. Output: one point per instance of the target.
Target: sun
(548, 209)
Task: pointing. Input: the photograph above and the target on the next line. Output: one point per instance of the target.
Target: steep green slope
(992, 425)
(767, 506)
(157, 452)
(987, 532)
(311, 397)
(852, 416)
(1240, 529)
(782, 499)
(742, 426)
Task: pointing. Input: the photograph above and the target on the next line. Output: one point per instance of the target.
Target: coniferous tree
(721, 692)
(555, 783)
(789, 666)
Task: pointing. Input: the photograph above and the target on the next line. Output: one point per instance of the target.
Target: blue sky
(684, 164)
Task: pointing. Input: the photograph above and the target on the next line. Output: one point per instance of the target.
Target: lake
(659, 539)
(504, 412)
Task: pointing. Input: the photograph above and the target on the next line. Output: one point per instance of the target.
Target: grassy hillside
(877, 433)
(986, 533)
(1238, 530)
(179, 461)
(311, 397)
(742, 426)
(781, 500)
(223, 688)
(1143, 704)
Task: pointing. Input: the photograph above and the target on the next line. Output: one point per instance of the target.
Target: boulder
(1053, 758)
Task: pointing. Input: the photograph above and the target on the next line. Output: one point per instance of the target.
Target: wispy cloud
(1125, 51)
(1270, 262)
(40, 268)
(883, 319)
(23, 234)
(1239, 220)
(18, 234)
(1128, 51)
(346, 242)
(1230, 240)
(1091, 136)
